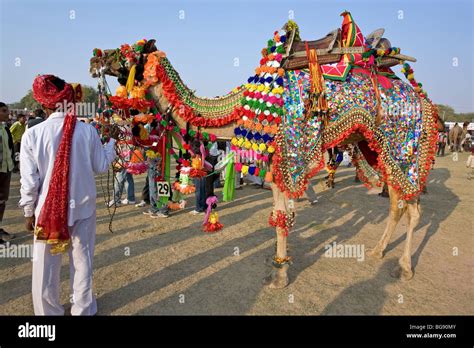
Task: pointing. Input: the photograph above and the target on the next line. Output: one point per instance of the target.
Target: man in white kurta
(88, 157)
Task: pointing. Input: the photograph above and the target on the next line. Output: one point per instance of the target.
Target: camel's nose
(94, 73)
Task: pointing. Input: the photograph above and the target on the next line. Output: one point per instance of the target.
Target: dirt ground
(169, 266)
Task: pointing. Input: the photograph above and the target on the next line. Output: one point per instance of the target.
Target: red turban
(47, 91)
(52, 224)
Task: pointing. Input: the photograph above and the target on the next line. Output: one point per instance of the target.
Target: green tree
(26, 102)
(89, 94)
(448, 114)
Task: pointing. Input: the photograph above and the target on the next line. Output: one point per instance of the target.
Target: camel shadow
(22, 285)
(217, 293)
(204, 262)
(306, 251)
(354, 299)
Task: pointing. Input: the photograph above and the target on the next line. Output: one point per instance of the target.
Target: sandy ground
(169, 266)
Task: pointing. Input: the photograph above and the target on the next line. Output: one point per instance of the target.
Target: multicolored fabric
(355, 91)
(401, 122)
(300, 135)
(351, 33)
(401, 118)
(351, 37)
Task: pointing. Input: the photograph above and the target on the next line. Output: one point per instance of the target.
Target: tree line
(447, 113)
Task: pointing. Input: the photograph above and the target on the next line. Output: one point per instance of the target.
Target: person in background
(464, 132)
(150, 191)
(221, 149)
(17, 130)
(6, 167)
(123, 176)
(146, 188)
(39, 117)
(200, 185)
(466, 142)
(470, 164)
(442, 140)
(212, 158)
(145, 195)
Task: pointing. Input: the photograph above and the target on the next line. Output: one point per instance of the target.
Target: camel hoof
(375, 253)
(401, 273)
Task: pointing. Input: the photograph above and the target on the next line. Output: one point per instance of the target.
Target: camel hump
(296, 49)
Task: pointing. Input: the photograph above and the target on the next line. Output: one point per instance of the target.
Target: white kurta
(88, 157)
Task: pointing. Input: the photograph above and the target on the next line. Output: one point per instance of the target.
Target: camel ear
(150, 46)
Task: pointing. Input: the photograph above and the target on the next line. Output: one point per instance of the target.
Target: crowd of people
(13, 128)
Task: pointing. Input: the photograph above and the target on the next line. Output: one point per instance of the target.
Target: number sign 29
(163, 188)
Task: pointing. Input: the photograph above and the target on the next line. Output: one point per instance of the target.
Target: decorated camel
(304, 98)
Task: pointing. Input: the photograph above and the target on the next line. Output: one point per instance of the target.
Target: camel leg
(404, 271)
(395, 214)
(278, 278)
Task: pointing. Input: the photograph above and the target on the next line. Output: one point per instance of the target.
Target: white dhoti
(47, 268)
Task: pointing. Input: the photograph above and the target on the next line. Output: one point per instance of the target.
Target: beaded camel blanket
(395, 121)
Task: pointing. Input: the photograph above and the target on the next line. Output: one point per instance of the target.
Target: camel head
(117, 62)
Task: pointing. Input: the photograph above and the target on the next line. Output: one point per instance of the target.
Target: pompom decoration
(97, 52)
(177, 205)
(136, 168)
(211, 222)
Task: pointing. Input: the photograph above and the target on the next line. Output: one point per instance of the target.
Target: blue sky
(204, 45)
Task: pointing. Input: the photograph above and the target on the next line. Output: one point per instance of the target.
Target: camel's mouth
(112, 62)
(94, 69)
